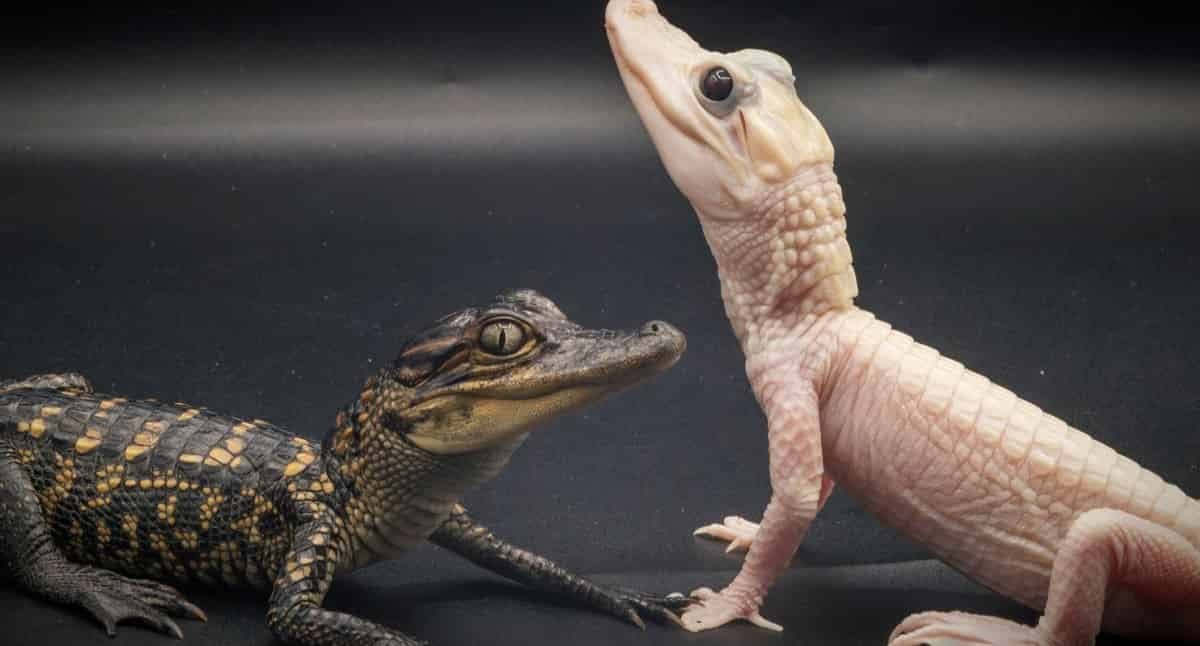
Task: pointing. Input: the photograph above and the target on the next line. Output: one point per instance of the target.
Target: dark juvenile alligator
(95, 489)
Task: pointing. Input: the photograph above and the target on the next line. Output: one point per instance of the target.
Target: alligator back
(989, 482)
(160, 490)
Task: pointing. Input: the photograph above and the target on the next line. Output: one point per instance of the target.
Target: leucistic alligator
(1007, 494)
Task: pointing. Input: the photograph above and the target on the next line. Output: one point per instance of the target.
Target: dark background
(250, 206)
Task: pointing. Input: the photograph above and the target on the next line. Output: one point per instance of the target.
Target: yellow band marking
(132, 452)
(220, 455)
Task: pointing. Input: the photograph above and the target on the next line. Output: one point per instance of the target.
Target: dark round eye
(716, 84)
(502, 338)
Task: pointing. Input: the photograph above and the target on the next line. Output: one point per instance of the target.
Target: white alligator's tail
(56, 381)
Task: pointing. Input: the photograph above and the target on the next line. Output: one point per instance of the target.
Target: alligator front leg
(295, 614)
(797, 477)
(463, 536)
(28, 553)
(1113, 570)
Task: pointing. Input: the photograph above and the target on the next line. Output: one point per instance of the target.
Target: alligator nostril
(654, 328)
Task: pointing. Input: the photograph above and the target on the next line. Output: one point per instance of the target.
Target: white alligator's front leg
(1113, 570)
(797, 472)
(740, 533)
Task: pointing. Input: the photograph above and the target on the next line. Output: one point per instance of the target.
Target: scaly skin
(96, 489)
(1009, 495)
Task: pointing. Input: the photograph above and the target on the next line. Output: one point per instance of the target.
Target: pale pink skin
(1010, 496)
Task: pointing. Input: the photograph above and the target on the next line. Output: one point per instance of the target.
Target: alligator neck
(400, 492)
(787, 261)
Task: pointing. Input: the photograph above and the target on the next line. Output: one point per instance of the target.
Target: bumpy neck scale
(786, 262)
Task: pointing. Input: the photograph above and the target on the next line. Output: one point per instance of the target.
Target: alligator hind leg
(1113, 570)
(28, 554)
(54, 381)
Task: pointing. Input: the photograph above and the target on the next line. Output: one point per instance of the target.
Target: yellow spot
(107, 404)
(144, 438)
(132, 452)
(23, 427)
(101, 414)
(327, 486)
(93, 433)
(131, 483)
(235, 445)
(145, 484)
(220, 455)
(154, 427)
(86, 444)
(102, 487)
(37, 427)
(237, 462)
(188, 414)
(172, 483)
(242, 427)
(305, 458)
(261, 422)
(51, 411)
(190, 458)
(293, 468)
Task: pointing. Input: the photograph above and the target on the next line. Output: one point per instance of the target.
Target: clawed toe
(654, 606)
(961, 629)
(713, 610)
(735, 530)
(114, 599)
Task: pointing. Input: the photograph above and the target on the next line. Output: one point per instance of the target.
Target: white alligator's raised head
(728, 127)
(755, 164)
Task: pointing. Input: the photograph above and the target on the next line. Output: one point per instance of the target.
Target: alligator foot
(713, 610)
(112, 599)
(962, 629)
(737, 531)
(634, 604)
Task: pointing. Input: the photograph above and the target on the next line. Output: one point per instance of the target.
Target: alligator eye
(716, 84)
(502, 338)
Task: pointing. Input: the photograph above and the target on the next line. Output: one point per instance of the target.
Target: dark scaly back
(160, 490)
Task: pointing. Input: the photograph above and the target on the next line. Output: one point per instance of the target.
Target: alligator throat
(787, 261)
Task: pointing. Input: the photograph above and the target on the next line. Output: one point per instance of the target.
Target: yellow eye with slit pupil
(502, 338)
